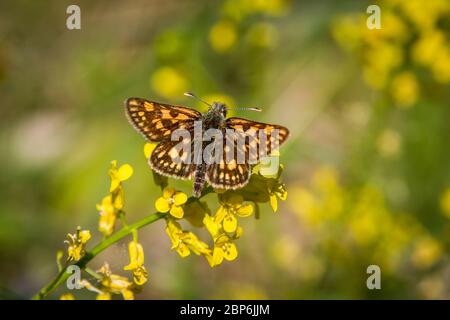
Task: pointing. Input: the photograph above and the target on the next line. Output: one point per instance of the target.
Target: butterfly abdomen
(199, 179)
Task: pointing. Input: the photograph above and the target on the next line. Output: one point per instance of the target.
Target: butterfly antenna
(248, 108)
(191, 95)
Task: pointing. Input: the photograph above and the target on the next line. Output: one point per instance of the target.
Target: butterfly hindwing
(169, 160)
(156, 121)
(228, 175)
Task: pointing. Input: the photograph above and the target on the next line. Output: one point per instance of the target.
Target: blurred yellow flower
(368, 217)
(445, 202)
(405, 89)
(427, 251)
(389, 143)
(240, 9)
(77, 243)
(240, 291)
(270, 7)
(136, 265)
(441, 65)
(263, 35)
(169, 82)
(393, 29)
(381, 59)
(223, 36)
(325, 178)
(108, 216)
(67, 296)
(425, 14)
(346, 31)
(172, 202)
(427, 46)
(231, 207)
(114, 283)
(183, 241)
(103, 296)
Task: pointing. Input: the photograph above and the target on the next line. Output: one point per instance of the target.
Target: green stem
(88, 256)
(105, 243)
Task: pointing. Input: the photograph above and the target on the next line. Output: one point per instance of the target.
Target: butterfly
(157, 122)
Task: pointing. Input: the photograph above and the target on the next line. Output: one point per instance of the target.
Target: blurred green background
(367, 165)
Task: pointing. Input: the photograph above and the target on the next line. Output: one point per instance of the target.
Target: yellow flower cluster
(112, 204)
(223, 226)
(76, 244)
(110, 208)
(411, 35)
(224, 35)
(110, 284)
(136, 265)
(361, 222)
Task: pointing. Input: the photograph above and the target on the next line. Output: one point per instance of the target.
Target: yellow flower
(171, 201)
(222, 36)
(148, 149)
(108, 216)
(183, 241)
(119, 174)
(445, 202)
(231, 207)
(275, 188)
(278, 191)
(441, 65)
(115, 284)
(224, 248)
(136, 265)
(77, 243)
(427, 252)
(103, 296)
(405, 89)
(67, 296)
(428, 45)
(168, 82)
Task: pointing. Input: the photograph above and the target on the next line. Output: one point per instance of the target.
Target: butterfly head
(218, 109)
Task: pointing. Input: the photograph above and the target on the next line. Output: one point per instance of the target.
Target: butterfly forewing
(156, 121)
(261, 139)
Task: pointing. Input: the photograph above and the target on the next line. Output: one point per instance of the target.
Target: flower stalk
(62, 276)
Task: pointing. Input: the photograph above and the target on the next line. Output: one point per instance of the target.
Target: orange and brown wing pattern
(168, 160)
(251, 130)
(228, 175)
(156, 121)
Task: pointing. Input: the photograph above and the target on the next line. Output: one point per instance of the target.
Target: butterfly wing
(233, 172)
(228, 175)
(275, 136)
(156, 121)
(171, 159)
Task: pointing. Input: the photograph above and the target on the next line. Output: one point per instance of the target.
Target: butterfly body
(159, 123)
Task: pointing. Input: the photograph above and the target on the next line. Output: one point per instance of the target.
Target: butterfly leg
(199, 179)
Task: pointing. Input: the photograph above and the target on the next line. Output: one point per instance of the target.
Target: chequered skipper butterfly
(157, 122)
